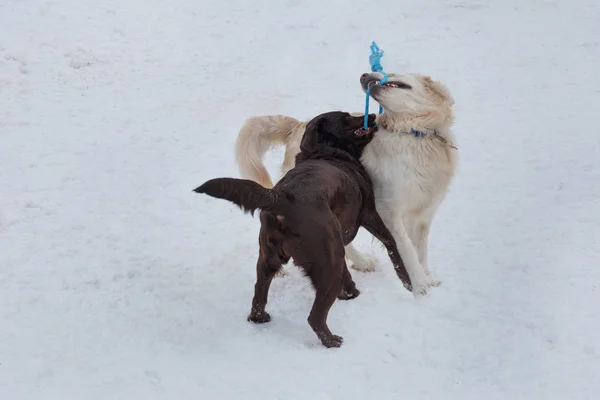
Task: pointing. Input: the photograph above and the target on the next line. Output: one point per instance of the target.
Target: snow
(117, 281)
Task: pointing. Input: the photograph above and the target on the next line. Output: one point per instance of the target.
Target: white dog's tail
(257, 135)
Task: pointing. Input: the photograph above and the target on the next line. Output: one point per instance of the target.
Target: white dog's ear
(438, 89)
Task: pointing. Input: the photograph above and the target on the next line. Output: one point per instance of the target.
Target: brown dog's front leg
(373, 223)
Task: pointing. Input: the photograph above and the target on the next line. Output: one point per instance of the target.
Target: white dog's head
(411, 97)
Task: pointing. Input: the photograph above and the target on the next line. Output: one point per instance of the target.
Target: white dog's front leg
(359, 262)
(421, 243)
(418, 278)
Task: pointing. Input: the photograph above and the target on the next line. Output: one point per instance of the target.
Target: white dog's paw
(421, 285)
(281, 273)
(367, 264)
(420, 290)
(432, 282)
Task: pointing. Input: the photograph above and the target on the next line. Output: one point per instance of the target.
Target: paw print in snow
(20, 60)
(81, 58)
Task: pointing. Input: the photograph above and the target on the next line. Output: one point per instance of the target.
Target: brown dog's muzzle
(365, 132)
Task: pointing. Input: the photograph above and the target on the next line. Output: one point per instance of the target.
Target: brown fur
(311, 214)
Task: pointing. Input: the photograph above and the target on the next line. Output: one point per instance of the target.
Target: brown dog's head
(338, 130)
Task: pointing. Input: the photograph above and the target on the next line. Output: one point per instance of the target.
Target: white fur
(257, 135)
(411, 175)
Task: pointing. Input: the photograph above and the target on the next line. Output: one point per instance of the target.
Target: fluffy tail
(257, 135)
(248, 195)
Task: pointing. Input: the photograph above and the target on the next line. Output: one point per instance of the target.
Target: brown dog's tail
(246, 194)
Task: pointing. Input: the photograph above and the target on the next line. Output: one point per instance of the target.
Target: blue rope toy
(375, 62)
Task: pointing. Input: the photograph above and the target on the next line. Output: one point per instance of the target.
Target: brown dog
(312, 213)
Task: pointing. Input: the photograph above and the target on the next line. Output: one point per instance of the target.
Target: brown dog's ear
(311, 135)
(372, 118)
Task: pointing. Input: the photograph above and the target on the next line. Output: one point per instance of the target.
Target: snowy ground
(116, 281)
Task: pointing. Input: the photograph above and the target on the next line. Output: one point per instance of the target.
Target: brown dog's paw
(348, 294)
(332, 341)
(259, 317)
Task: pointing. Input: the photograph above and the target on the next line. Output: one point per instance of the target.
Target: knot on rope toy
(375, 62)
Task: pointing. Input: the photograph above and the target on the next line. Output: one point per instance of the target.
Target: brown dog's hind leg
(349, 290)
(271, 256)
(326, 274)
(265, 271)
(317, 318)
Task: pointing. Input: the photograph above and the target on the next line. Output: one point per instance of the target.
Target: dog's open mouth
(364, 132)
(397, 85)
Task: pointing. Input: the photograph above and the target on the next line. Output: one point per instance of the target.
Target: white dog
(411, 160)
